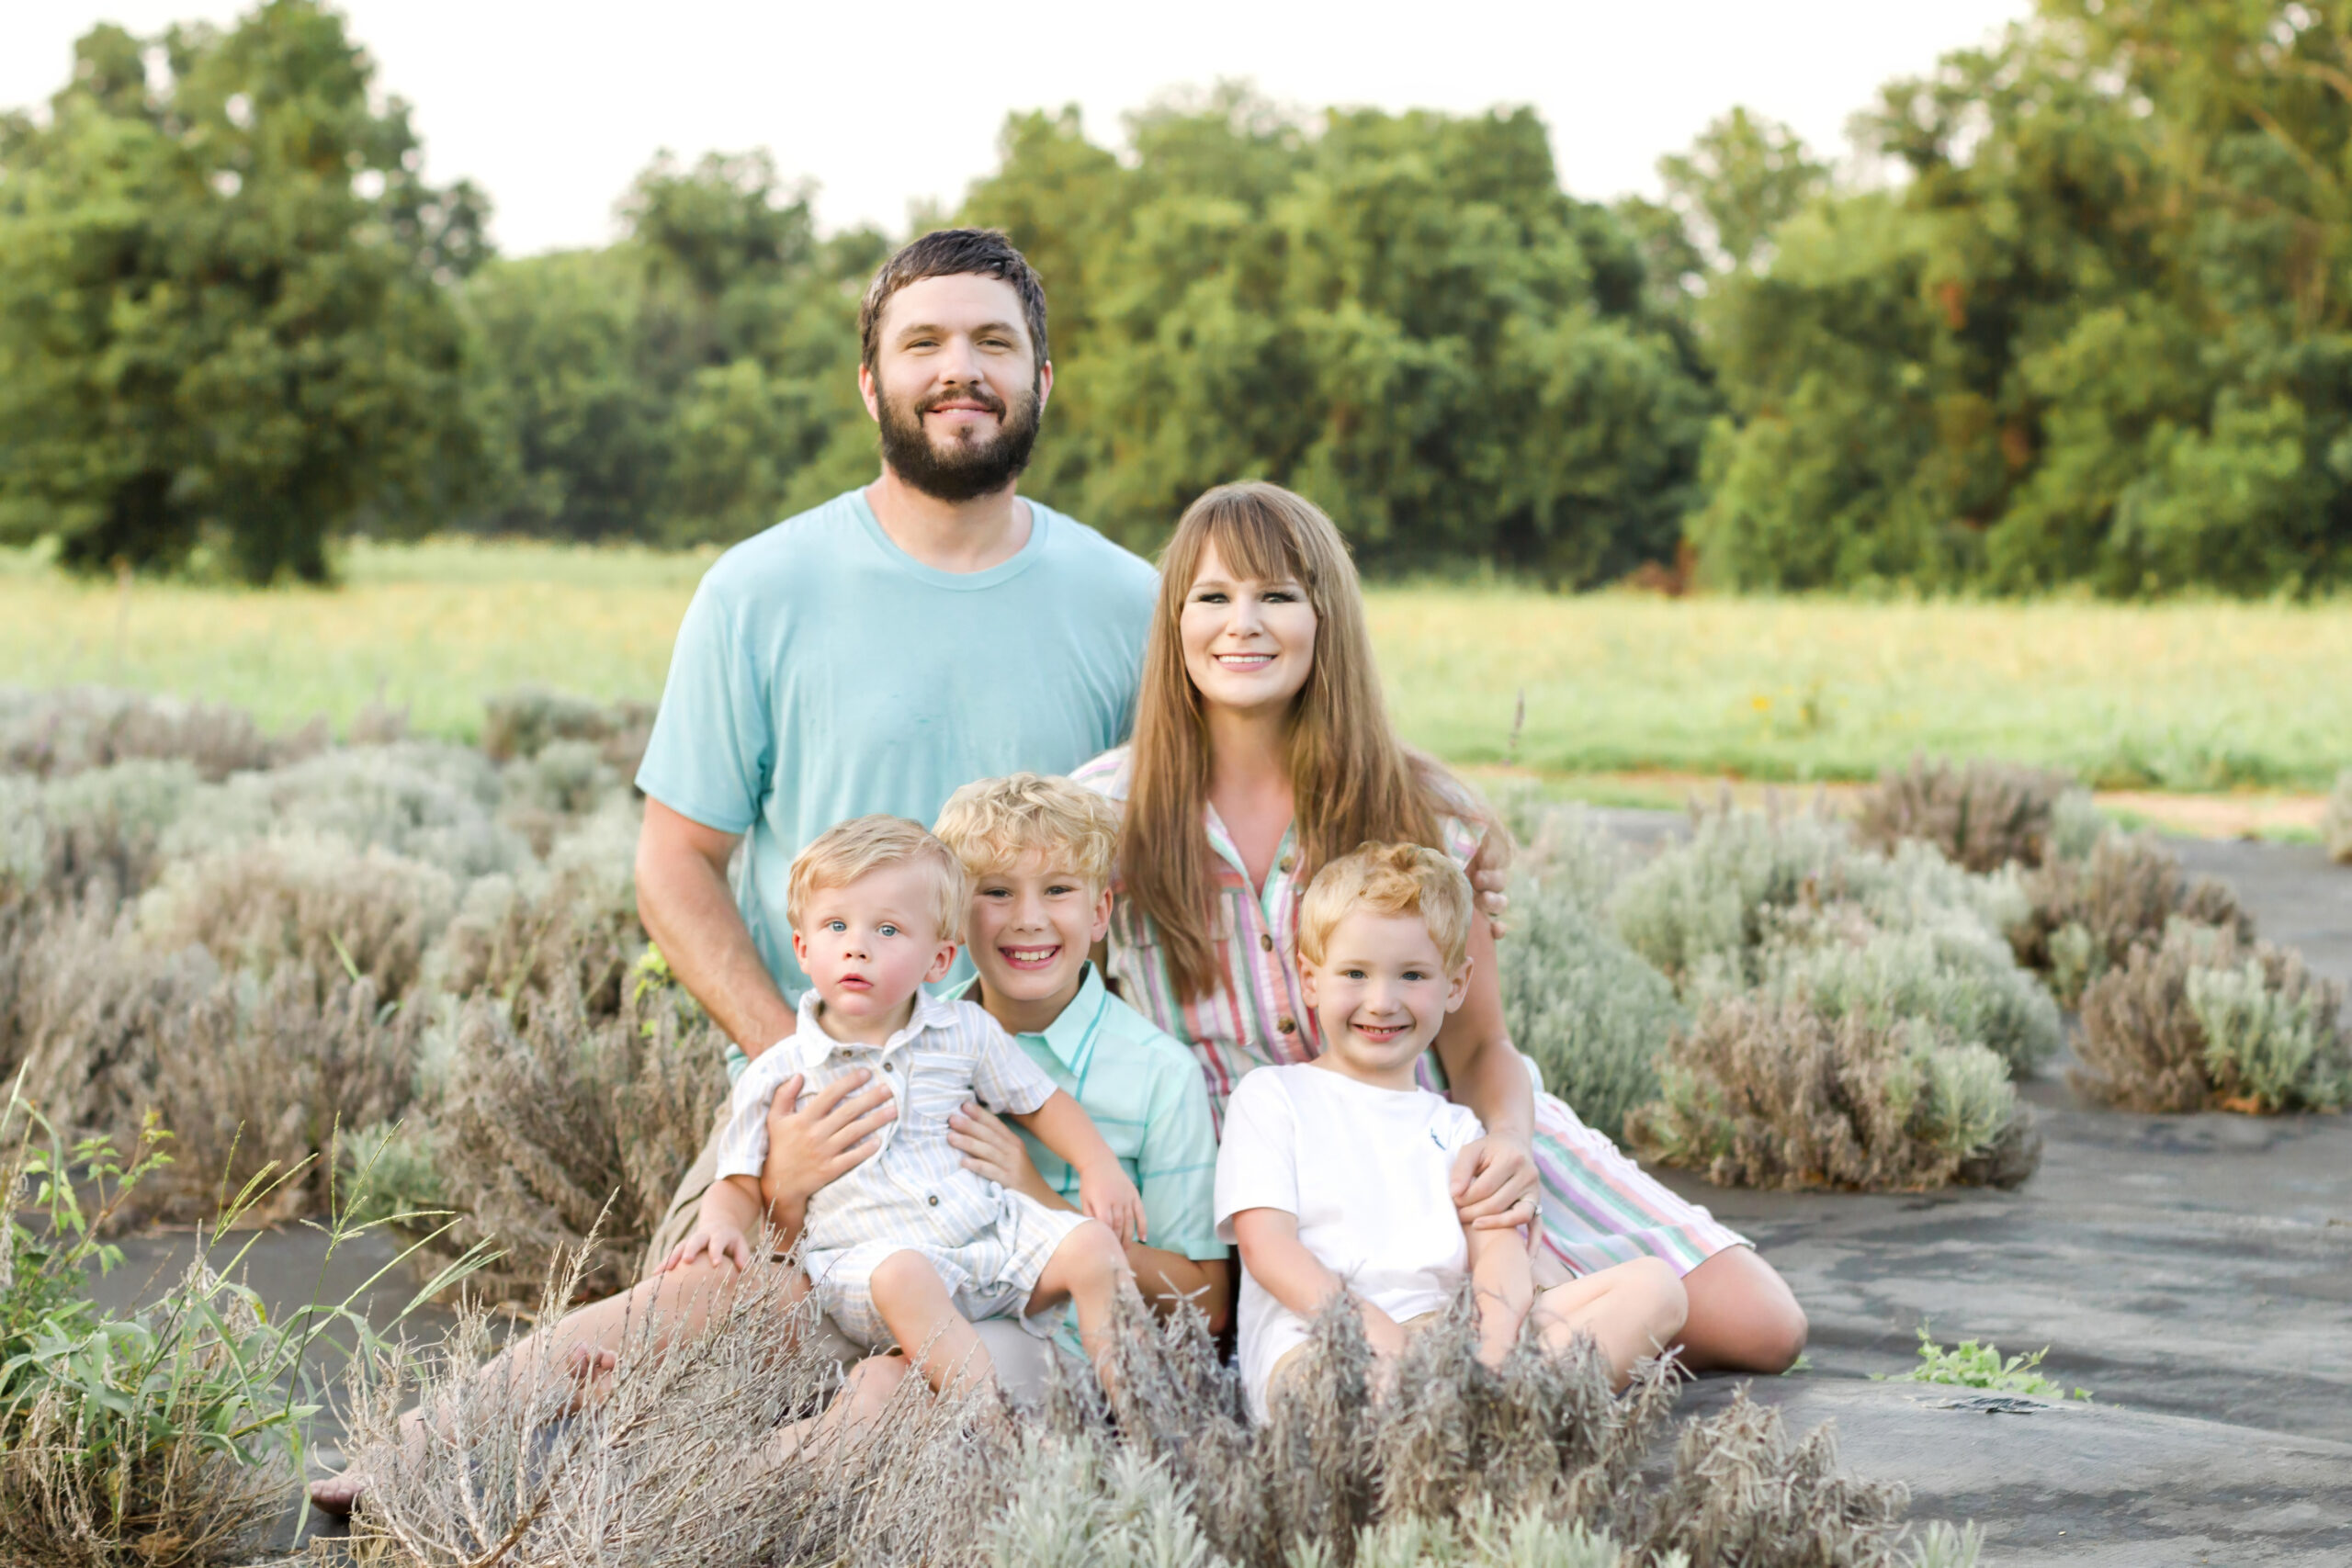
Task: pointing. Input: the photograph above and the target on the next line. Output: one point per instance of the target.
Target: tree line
(2080, 316)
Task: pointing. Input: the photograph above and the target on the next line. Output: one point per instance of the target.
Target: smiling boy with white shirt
(1336, 1174)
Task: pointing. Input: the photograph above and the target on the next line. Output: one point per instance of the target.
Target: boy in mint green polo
(1039, 854)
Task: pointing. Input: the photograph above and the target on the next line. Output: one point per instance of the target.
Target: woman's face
(1248, 644)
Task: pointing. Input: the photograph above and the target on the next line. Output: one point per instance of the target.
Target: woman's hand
(1494, 897)
(994, 1152)
(1494, 1184)
(812, 1145)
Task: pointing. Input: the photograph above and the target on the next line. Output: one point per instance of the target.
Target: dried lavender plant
(1451, 1465)
(424, 800)
(525, 721)
(552, 1109)
(1981, 815)
(74, 729)
(2204, 1020)
(1775, 1092)
(1953, 974)
(667, 1469)
(246, 1071)
(572, 923)
(2085, 916)
(1588, 1010)
(304, 899)
(1746, 1491)
(95, 835)
(1705, 910)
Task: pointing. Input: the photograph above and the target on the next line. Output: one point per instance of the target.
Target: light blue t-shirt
(823, 673)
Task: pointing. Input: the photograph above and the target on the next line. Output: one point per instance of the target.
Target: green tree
(1402, 316)
(1743, 177)
(696, 381)
(224, 303)
(2102, 334)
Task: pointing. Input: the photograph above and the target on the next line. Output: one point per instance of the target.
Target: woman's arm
(1280, 1262)
(1494, 1178)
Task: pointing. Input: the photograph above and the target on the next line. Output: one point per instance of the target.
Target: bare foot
(338, 1494)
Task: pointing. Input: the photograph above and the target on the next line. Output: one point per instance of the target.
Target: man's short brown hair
(947, 252)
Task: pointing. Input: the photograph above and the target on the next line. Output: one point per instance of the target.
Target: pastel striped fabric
(916, 1189)
(1599, 1208)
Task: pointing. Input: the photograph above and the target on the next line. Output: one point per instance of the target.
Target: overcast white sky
(552, 107)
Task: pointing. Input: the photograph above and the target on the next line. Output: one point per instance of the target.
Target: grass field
(2180, 696)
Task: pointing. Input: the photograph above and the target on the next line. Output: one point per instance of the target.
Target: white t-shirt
(1367, 1171)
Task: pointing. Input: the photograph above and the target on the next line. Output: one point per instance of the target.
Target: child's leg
(914, 1301)
(1631, 1311)
(850, 1417)
(1086, 1269)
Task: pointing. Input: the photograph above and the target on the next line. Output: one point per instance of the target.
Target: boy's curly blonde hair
(847, 850)
(991, 824)
(1390, 879)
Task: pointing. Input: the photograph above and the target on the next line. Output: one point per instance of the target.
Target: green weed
(1970, 1365)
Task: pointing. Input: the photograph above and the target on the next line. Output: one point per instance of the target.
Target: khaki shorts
(1289, 1358)
(1024, 1362)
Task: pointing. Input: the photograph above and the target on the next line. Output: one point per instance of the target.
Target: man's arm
(688, 910)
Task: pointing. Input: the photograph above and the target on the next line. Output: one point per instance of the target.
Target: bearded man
(874, 654)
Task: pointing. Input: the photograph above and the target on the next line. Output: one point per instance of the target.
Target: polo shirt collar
(1068, 1036)
(811, 1044)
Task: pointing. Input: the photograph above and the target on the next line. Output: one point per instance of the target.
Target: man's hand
(1494, 897)
(1494, 1184)
(722, 1243)
(994, 1152)
(811, 1144)
(1106, 1194)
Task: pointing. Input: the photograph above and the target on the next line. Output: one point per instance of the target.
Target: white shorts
(992, 1275)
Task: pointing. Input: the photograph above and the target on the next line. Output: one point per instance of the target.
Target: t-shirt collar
(1067, 1035)
(811, 1044)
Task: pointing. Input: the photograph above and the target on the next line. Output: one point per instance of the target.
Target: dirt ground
(2194, 1273)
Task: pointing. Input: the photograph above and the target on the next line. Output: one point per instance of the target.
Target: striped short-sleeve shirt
(915, 1189)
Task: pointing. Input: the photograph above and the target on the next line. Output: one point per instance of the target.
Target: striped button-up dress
(1598, 1207)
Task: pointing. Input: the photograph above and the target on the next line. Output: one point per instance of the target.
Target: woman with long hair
(1262, 749)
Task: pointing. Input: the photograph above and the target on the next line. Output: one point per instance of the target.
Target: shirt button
(1287, 1024)
(1266, 942)
(934, 1199)
(890, 1067)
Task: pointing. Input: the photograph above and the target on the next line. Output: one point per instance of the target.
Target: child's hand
(1106, 1194)
(722, 1243)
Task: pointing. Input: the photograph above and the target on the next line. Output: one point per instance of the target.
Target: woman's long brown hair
(1352, 778)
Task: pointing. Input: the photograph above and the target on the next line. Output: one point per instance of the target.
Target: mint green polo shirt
(1144, 1094)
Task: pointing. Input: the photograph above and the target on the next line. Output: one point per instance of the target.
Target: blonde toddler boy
(910, 1246)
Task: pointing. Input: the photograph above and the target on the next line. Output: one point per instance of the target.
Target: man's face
(955, 386)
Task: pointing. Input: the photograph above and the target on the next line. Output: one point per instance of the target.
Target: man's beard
(962, 469)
